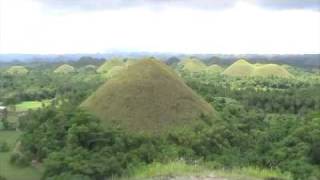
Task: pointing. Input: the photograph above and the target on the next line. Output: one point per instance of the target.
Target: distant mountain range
(304, 60)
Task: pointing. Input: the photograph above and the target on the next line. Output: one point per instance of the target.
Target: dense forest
(265, 122)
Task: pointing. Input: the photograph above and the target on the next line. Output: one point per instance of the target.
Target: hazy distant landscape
(303, 60)
(159, 90)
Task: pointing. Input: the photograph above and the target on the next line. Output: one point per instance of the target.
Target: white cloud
(28, 28)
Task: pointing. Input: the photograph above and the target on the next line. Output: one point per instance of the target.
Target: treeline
(304, 60)
(272, 95)
(39, 85)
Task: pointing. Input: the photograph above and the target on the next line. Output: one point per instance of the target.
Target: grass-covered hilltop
(192, 65)
(271, 70)
(115, 71)
(17, 70)
(243, 68)
(147, 96)
(163, 117)
(64, 69)
(239, 68)
(214, 69)
(109, 64)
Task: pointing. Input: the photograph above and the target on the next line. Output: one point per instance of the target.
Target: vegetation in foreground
(11, 171)
(182, 169)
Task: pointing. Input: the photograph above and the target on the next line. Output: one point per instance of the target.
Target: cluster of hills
(240, 68)
(194, 65)
(303, 60)
(148, 96)
(110, 68)
(243, 68)
(62, 69)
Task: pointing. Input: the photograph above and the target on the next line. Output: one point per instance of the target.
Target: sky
(176, 26)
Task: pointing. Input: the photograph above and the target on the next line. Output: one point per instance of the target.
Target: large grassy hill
(271, 70)
(192, 65)
(214, 69)
(89, 67)
(108, 65)
(17, 70)
(115, 71)
(239, 68)
(147, 97)
(64, 69)
(242, 68)
(131, 61)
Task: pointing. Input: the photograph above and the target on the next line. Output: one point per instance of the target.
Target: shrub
(315, 153)
(4, 147)
(273, 178)
(19, 160)
(2, 178)
(68, 176)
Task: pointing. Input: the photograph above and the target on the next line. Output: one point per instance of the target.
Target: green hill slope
(147, 97)
(115, 71)
(104, 68)
(64, 69)
(240, 68)
(192, 65)
(90, 67)
(131, 61)
(271, 70)
(17, 70)
(214, 69)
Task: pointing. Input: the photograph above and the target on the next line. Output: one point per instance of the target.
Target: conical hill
(271, 70)
(64, 69)
(192, 65)
(148, 97)
(109, 64)
(239, 68)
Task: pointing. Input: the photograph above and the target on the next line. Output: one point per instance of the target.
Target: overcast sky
(187, 26)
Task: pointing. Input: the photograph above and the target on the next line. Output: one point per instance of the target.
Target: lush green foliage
(183, 169)
(10, 171)
(43, 84)
(4, 147)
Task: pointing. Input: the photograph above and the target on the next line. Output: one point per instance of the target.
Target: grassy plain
(12, 172)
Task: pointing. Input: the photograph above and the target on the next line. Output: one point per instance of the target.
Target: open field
(31, 105)
(12, 172)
